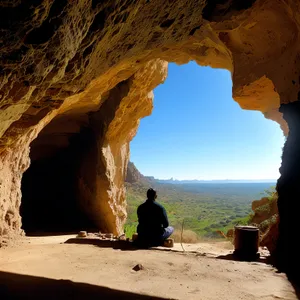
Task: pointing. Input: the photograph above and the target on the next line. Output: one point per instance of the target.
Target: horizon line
(175, 179)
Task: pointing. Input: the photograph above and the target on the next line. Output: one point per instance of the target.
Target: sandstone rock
(270, 238)
(258, 203)
(122, 237)
(134, 237)
(230, 233)
(133, 175)
(93, 65)
(266, 217)
(264, 210)
(109, 235)
(169, 243)
(82, 234)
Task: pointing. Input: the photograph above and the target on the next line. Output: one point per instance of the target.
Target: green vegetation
(130, 229)
(205, 207)
(271, 193)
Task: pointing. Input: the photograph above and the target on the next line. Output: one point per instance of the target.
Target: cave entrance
(50, 202)
(201, 144)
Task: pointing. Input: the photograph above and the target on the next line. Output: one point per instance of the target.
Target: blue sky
(197, 131)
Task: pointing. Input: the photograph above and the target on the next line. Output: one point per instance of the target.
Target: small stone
(169, 243)
(134, 237)
(109, 235)
(138, 267)
(82, 234)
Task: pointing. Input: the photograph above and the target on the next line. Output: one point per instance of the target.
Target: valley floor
(47, 268)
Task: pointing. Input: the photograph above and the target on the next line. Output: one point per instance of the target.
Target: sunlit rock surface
(92, 65)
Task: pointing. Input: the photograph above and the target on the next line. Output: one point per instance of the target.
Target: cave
(50, 186)
(66, 182)
(102, 59)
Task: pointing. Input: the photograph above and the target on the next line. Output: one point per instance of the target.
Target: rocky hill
(135, 177)
(133, 174)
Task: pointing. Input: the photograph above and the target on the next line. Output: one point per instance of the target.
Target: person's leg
(168, 231)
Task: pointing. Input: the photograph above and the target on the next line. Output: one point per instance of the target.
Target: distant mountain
(134, 176)
(175, 181)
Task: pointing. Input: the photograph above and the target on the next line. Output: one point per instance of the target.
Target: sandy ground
(56, 270)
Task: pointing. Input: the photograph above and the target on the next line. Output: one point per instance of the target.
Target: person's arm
(165, 220)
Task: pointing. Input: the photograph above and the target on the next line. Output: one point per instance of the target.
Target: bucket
(246, 242)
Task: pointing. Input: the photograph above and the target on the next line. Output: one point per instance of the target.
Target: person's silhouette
(153, 227)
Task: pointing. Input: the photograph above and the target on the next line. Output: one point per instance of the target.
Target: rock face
(288, 189)
(267, 219)
(264, 209)
(133, 174)
(76, 77)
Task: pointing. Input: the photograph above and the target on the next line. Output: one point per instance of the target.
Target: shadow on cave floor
(295, 282)
(117, 245)
(129, 246)
(259, 259)
(17, 286)
(296, 287)
(53, 233)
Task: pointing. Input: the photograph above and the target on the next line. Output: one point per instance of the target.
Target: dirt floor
(49, 268)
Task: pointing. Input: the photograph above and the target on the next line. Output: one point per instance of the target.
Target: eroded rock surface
(93, 64)
(266, 218)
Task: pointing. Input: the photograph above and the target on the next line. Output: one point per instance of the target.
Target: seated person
(153, 227)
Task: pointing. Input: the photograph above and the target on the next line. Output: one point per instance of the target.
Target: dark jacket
(152, 219)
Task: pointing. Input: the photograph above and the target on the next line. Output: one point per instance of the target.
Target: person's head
(151, 194)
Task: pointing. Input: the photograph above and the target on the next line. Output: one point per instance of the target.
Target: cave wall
(103, 58)
(102, 193)
(288, 189)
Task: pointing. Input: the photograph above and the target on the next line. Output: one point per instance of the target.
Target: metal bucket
(246, 242)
